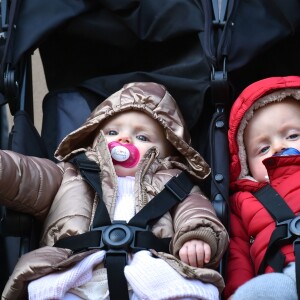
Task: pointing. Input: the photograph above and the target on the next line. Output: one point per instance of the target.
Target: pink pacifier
(126, 155)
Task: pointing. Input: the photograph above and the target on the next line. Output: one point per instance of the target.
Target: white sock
(153, 279)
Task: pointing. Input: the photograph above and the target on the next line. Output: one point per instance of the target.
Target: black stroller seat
(19, 232)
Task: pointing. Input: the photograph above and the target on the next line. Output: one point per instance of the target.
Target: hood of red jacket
(254, 96)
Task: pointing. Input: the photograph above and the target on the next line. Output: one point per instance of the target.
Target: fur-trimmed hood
(253, 97)
(150, 98)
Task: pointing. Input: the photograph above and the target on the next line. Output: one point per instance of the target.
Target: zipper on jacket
(144, 169)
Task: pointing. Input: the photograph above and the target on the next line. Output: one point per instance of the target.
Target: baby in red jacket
(264, 129)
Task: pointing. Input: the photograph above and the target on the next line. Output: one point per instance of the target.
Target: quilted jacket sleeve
(195, 218)
(28, 184)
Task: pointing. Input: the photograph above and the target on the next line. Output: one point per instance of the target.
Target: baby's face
(272, 129)
(138, 129)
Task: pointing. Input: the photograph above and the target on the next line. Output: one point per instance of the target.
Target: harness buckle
(119, 237)
(293, 227)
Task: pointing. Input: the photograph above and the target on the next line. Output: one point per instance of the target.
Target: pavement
(39, 90)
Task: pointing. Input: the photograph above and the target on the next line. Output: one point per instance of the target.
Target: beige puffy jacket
(57, 195)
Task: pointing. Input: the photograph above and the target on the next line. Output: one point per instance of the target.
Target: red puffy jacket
(250, 224)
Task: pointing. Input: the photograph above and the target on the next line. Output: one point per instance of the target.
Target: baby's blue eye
(112, 132)
(293, 136)
(264, 149)
(142, 138)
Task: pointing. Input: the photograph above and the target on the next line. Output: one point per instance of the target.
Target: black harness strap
(91, 173)
(287, 230)
(119, 237)
(297, 257)
(274, 203)
(175, 191)
(117, 283)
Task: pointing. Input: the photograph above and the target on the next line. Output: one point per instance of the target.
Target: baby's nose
(279, 147)
(124, 139)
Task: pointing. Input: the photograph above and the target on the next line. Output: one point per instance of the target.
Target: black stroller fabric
(24, 137)
(205, 52)
(103, 44)
(80, 40)
(58, 106)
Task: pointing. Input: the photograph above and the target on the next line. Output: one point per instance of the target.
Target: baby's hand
(195, 253)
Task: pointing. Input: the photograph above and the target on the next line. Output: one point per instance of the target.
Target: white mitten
(153, 279)
(55, 285)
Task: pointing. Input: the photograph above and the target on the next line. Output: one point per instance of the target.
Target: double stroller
(204, 52)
